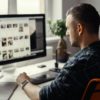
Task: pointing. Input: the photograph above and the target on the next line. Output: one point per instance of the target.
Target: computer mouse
(41, 66)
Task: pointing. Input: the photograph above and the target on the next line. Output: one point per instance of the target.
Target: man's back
(70, 84)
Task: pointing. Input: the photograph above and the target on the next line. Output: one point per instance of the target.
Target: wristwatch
(24, 83)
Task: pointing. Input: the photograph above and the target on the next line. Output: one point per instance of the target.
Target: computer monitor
(22, 37)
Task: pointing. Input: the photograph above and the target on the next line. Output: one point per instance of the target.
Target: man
(82, 24)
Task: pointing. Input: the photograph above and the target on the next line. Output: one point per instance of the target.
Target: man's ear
(79, 28)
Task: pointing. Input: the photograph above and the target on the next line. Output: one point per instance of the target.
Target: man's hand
(31, 90)
(22, 77)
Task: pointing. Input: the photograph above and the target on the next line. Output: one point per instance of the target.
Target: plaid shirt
(76, 73)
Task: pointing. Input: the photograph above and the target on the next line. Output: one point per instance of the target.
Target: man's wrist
(24, 83)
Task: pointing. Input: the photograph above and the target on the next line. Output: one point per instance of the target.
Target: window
(30, 6)
(3, 6)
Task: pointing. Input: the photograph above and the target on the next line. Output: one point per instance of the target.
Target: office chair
(92, 91)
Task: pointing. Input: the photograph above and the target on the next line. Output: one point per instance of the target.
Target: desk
(20, 95)
(30, 70)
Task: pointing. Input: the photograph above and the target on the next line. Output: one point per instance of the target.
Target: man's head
(80, 20)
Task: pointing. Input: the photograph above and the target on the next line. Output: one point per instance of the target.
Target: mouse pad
(7, 89)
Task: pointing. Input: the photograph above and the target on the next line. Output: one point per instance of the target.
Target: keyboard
(44, 77)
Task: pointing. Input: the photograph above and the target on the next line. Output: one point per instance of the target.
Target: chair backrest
(92, 91)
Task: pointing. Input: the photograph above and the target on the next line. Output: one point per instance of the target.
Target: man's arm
(31, 90)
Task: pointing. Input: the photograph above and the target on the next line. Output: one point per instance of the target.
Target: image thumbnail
(4, 42)
(4, 55)
(10, 41)
(15, 25)
(9, 25)
(10, 54)
(20, 27)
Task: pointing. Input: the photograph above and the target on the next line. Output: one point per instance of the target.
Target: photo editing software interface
(22, 37)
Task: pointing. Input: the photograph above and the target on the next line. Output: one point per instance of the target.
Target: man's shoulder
(83, 59)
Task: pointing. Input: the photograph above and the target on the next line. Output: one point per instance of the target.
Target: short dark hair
(88, 15)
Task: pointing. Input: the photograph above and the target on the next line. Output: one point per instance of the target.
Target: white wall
(53, 12)
(54, 9)
(66, 4)
(12, 8)
(57, 9)
(60, 8)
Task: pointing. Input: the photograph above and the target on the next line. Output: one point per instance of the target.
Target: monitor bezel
(38, 55)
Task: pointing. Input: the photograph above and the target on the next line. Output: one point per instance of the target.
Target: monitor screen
(22, 37)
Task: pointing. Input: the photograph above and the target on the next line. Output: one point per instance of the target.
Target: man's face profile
(72, 30)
